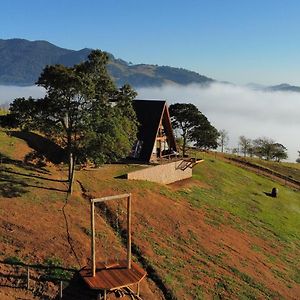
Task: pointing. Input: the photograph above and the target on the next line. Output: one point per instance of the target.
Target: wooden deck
(113, 275)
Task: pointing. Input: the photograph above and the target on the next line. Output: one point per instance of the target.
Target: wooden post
(129, 232)
(28, 278)
(109, 198)
(93, 239)
(71, 161)
(60, 290)
(138, 289)
(104, 295)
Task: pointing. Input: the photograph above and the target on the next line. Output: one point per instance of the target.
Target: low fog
(9, 93)
(239, 110)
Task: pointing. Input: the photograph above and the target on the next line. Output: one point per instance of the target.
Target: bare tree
(245, 144)
(223, 139)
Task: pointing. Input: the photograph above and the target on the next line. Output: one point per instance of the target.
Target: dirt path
(264, 172)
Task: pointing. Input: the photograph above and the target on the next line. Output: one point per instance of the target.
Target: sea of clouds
(239, 110)
(8, 93)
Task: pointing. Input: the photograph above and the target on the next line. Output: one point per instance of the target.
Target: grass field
(218, 234)
(3, 111)
(291, 170)
(215, 236)
(242, 194)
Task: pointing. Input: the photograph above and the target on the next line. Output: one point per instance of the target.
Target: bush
(54, 271)
(14, 260)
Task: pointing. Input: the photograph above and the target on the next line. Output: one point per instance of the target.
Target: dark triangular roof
(149, 114)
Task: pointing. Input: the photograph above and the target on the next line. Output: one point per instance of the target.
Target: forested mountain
(284, 87)
(22, 61)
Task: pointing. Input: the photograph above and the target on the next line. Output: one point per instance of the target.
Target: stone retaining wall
(164, 174)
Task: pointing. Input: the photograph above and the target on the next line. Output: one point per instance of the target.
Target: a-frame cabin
(155, 135)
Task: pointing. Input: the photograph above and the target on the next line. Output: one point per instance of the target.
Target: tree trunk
(183, 145)
(71, 160)
(71, 172)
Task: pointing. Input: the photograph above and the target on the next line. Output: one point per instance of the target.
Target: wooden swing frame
(117, 275)
(93, 251)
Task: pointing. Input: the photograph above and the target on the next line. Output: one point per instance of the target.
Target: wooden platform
(113, 275)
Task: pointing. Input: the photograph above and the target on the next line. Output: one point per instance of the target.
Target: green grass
(235, 197)
(54, 272)
(241, 193)
(224, 194)
(291, 170)
(3, 111)
(296, 276)
(13, 260)
(8, 145)
(229, 196)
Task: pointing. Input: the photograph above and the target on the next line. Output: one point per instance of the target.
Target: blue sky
(232, 40)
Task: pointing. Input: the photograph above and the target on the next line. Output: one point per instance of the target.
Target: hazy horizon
(241, 111)
(238, 109)
(9, 92)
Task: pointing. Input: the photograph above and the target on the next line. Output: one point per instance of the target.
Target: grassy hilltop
(215, 236)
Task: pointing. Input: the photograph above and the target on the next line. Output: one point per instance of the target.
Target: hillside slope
(21, 62)
(291, 170)
(215, 236)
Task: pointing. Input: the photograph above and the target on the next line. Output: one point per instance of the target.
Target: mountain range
(283, 87)
(21, 62)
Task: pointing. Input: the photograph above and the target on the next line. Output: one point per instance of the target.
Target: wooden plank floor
(114, 277)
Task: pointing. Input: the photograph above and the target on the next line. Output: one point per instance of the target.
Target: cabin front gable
(155, 134)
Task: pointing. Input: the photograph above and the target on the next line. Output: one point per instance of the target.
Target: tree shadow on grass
(24, 165)
(42, 145)
(32, 176)
(9, 188)
(15, 183)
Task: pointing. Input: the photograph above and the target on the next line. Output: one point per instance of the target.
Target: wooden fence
(287, 179)
(26, 276)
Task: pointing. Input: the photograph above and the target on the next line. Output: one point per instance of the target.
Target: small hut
(155, 135)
